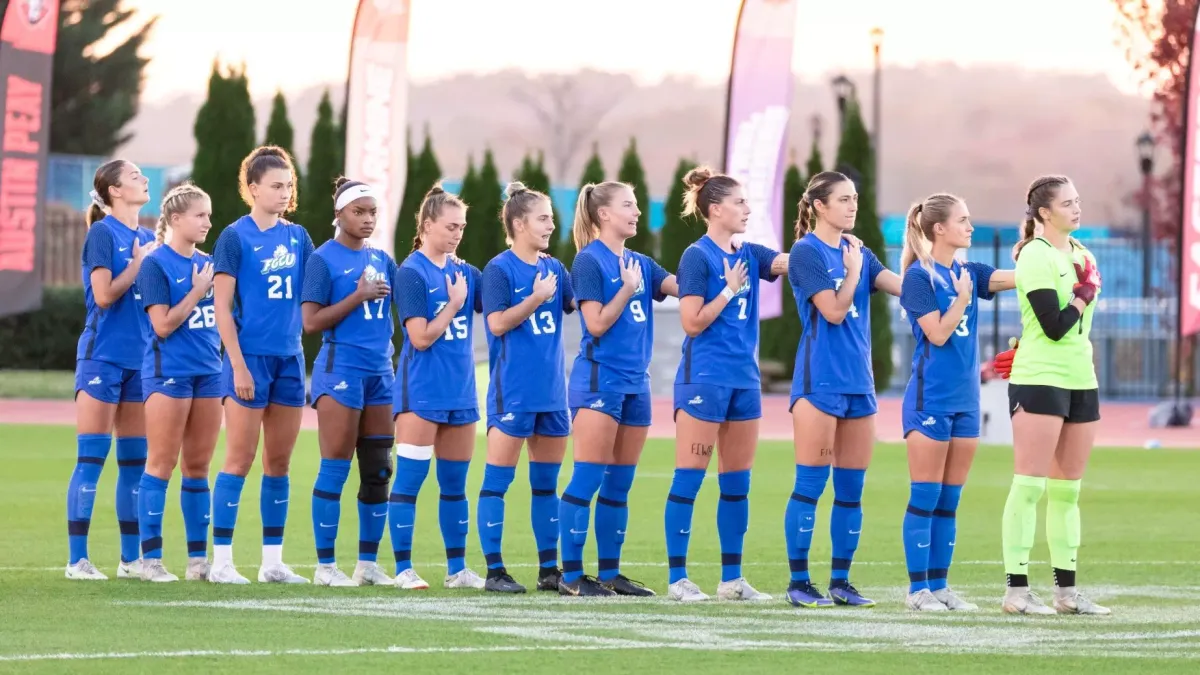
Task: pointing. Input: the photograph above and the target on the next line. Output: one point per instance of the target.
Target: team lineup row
(177, 341)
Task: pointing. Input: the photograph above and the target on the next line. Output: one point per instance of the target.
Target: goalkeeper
(1053, 396)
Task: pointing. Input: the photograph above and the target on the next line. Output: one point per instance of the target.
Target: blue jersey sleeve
(588, 278)
(408, 294)
(477, 284)
(764, 256)
(567, 289)
(318, 283)
(872, 266)
(693, 273)
(153, 285)
(497, 289)
(658, 275)
(806, 272)
(307, 248)
(916, 293)
(983, 277)
(227, 254)
(97, 248)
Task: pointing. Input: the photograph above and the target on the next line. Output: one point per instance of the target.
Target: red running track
(1121, 424)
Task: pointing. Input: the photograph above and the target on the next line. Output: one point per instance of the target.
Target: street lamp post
(876, 99)
(1145, 149)
(843, 89)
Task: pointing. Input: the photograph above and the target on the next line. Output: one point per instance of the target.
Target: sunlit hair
(431, 207)
(918, 229)
(260, 161)
(176, 202)
(819, 189)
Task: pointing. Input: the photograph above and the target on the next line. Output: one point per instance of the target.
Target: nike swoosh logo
(855, 531)
(207, 516)
(616, 280)
(379, 515)
(463, 522)
(576, 532)
(87, 490)
(1024, 564)
(257, 248)
(519, 289)
(802, 530)
(151, 513)
(281, 501)
(123, 249)
(554, 520)
(348, 271)
(180, 280)
(922, 545)
(433, 290)
(324, 525)
(403, 527)
(232, 504)
(685, 532)
(495, 524)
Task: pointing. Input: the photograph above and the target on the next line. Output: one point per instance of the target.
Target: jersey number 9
(203, 317)
(639, 314)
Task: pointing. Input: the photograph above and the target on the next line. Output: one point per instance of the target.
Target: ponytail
(160, 230)
(807, 217)
(584, 230)
(916, 244)
(1030, 229)
(94, 213)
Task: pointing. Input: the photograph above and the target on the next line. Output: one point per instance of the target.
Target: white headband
(351, 193)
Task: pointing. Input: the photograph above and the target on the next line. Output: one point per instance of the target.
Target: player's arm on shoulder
(810, 281)
(989, 281)
(476, 298)
(771, 263)
(695, 314)
(567, 289)
(598, 316)
(662, 282)
(917, 297)
(503, 316)
(881, 278)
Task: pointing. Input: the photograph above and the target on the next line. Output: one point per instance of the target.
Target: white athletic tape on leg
(417, 452)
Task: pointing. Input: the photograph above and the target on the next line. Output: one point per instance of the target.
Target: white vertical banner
(377, 108)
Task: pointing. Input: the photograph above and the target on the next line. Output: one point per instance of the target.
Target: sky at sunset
(287, 47)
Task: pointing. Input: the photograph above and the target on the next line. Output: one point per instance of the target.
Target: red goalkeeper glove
(1002, 364)
(1087, 283)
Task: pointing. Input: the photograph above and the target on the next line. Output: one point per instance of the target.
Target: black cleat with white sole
(584, 586)
(623, 585)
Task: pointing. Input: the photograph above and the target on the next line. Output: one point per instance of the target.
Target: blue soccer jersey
(441, 377)
(194, 348)
(725, 353)
(116, 334)
(946, 378)
(361, 343)
(832, 359)
(527, 363)
(618, 361)
(269, 268)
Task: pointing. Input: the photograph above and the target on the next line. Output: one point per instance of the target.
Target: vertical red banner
(27, 37)
(377, 108)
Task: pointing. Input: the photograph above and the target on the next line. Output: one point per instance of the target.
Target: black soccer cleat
(548, 578)
(623, 585)
(585, 586)
(498, 581)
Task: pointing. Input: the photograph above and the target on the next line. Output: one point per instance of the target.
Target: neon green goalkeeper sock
(1020, 522)
(1062, 522)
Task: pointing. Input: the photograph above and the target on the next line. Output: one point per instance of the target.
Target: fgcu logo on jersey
(372, 274)
(745, 287)
(281, 259)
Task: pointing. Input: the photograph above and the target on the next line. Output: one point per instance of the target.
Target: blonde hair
(518, 201)
(592, 197)
(431, 207)
(818, 190)
(918, 229)
(174, 203)
(705, 188)
(1041, 194)
(260, 161)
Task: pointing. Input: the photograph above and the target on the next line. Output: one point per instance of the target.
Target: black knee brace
(374, 469)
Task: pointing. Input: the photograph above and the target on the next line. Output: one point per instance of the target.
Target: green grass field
(1139, 556)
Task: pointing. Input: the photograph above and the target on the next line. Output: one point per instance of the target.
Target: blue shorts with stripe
(108, 383)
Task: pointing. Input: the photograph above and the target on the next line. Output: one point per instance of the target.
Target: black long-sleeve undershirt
(1055, 322)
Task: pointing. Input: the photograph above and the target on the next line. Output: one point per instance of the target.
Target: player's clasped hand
(852, 256)
(457, 290)
(202, 278)
(372, 289)
(631, 273)
(735, 277)
(545, 287)
(964, 285)
(1087, 282)
(1003, 362)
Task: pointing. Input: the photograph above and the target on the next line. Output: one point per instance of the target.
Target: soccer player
(609, 388)
(718, 392)
(1053, 396)
(433, 400)
(260, 262)
(525, 296)
(941, 403)
(833, 388)
(181, 378)
(347, 297)
(108, 384)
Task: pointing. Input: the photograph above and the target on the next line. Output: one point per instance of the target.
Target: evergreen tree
(483, 216)
(678, 232)
(423, 173)
(470, 248)
(95, 91)
(533, 175)
(224, 132)
(781, 335)
(279, 129)
(815, 163)
(340, 133)
(593, 172)
(631, 172)
(316, 200)
(856, 158)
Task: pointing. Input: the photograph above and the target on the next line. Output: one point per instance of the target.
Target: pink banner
(377, 108)
(1189, 258)
(760, 106)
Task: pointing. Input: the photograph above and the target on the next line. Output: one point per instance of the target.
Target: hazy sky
(285, 46)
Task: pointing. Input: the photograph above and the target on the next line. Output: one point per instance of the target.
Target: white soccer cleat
(278, 573)
(924, 601)
(330, 575)
(465, 578)
(226, 574)
(739, 589)
(370, 574)
(84, 570)
(952, 602)
(153, 570)
(409, 581)
(197, 569)
(130, 570)
(685, 591)
(1069, 601)
(1021, 600)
